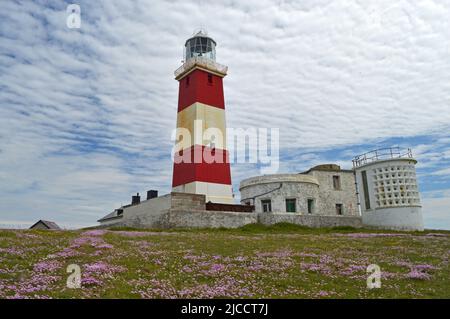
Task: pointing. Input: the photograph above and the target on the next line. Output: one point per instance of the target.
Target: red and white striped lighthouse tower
(201, 113)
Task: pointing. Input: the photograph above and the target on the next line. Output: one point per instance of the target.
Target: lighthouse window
(310, 205)
(336, 182)
(290, 205)
(266, 205)
(187, 81)
(339, 209)
(365, 189)
(210, 79)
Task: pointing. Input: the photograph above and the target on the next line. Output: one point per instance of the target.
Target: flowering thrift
(223, 264)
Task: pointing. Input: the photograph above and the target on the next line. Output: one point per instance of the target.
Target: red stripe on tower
(216, 170)
(200, 86)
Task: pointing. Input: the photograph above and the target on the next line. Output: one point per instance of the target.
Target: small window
(290, 205)
(365, 189)
(336, 182)
(210, 79)
(339, 209)
(187, 81)
(310, 205)
(266, 205)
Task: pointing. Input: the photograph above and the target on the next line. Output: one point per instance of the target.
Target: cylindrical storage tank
(282, 190)
(388, 190)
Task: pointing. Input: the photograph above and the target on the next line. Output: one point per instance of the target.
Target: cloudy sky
(86, 114)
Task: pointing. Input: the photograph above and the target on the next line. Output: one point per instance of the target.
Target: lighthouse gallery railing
(202, 62)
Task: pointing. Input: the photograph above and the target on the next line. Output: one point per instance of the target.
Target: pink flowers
(214, 269)
(93, 238)
(323, 293)
(95, 232)
(97, 267)
(276, 254)
(12, 251)
(95, 273)
(419, 275)
(140, 233)
(419, 272)
(66, 253)
(87, 281)
(220, 265)
(105, 246)
(372, 235)
(186, 269)
(424, 267)
(47, 266)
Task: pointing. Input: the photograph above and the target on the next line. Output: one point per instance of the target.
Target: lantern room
(200, 45)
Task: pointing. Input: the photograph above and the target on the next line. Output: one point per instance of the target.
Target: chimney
(152, 194)
(135, 200)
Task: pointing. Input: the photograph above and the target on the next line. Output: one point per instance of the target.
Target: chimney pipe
(152, 194)
(135, 200)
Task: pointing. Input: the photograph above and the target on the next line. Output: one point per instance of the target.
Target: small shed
(45, 224)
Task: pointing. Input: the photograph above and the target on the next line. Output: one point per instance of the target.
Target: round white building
(387, 189)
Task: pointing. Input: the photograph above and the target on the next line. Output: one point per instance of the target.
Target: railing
(381, 154)
(202, 62)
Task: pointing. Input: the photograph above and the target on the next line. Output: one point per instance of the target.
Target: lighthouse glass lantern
(200, 45)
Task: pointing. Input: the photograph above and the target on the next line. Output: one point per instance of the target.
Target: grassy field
(282, 261)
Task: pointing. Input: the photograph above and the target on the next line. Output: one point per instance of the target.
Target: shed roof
(48, 224)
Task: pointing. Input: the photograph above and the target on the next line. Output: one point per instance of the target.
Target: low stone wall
(187, 201)
(310, 220)
(148, 214)
(182, 210)
(209, 219)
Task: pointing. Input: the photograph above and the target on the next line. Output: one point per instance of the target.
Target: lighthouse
(201, 160)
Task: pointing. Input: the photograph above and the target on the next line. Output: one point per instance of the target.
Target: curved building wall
(315, 187)
(389, 194)
(294, 186)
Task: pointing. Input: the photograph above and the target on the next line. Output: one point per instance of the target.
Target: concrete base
(216, 193)
(398, 218)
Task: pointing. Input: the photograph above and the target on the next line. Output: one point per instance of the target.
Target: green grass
(278, 261)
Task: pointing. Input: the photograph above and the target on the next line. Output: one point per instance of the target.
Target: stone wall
(187, 201)
(316, 185)
(209, 219)
(329, 197)
(150, 213)
(310, 220)
(182, 210)
(294, 186)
